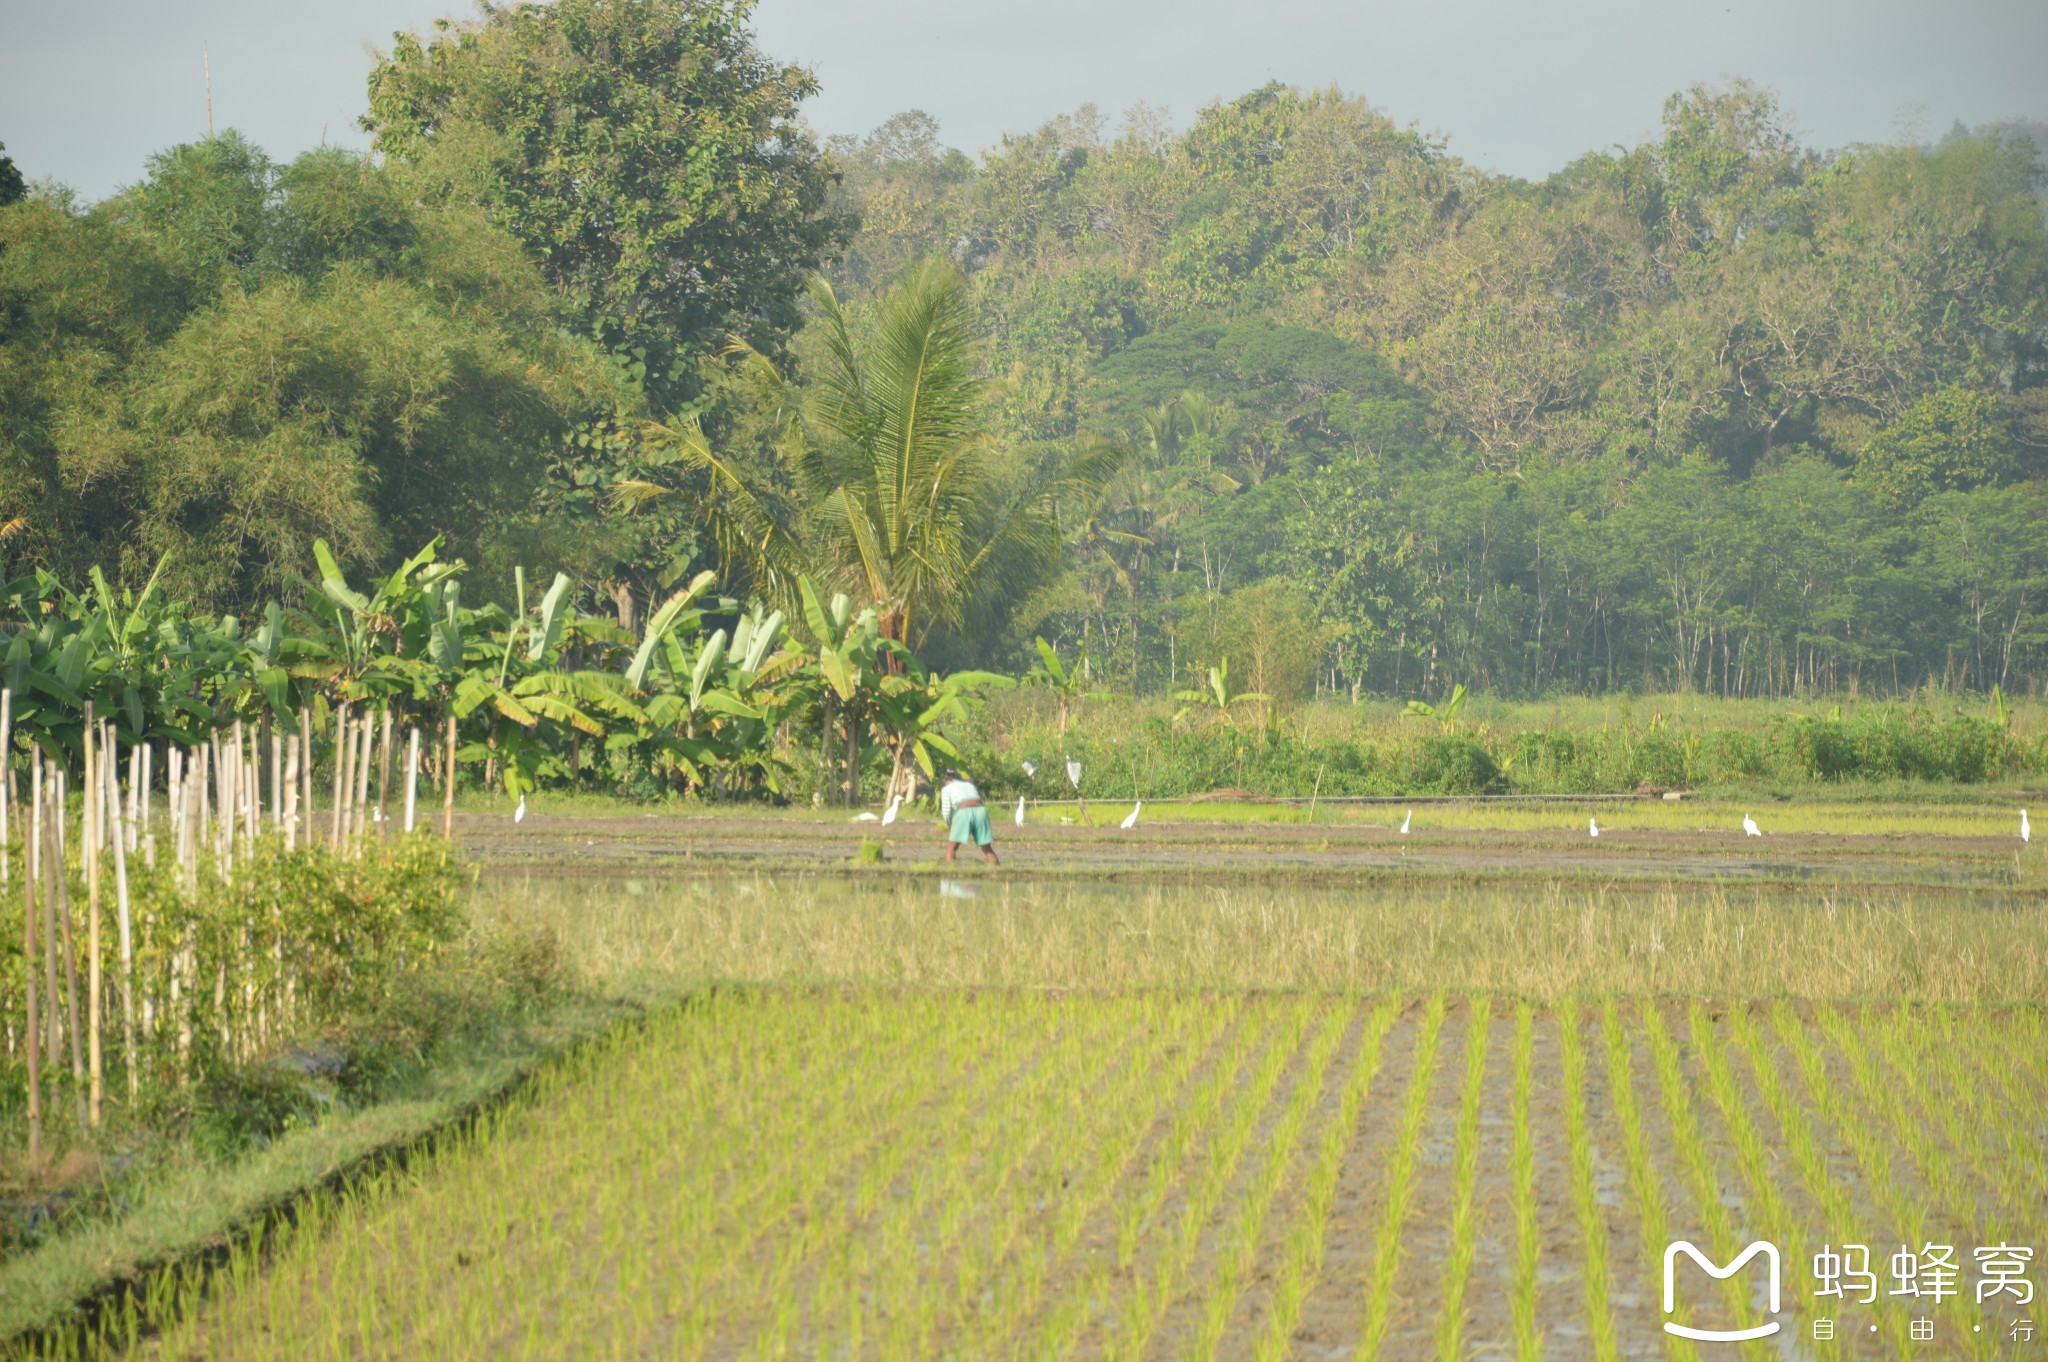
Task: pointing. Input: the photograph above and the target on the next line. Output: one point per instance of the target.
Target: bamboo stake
(412, 775)
(364, 754)
(91, 822)
(6, 781)
(306, 770)
(30, 854)
(72, 1011)
(448, 784)
(53, 1035)
(383, 771)
(341, 773)
(148, 832)
(278, 798)
(289, 818)
(123, 920)
(132, 818)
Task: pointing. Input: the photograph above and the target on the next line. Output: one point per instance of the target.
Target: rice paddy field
(1235, 1086)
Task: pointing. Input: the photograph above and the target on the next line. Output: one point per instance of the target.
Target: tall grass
(1542, 943)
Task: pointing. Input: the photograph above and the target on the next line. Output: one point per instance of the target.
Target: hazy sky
(88, 88)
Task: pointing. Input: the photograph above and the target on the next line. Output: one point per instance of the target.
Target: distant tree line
(1294, 386)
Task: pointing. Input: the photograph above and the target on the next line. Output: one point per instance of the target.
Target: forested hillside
(1716, 411)
(1291, 383)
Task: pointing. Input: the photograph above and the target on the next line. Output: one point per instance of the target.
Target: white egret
(519, 814)
(867, 816)
(1131, 818)
(1020, 811)
(1406, 819)
(2026, 829)
(1592, 827)
(889, 816)
(1749, 827)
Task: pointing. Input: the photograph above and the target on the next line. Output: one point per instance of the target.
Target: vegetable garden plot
(784, 1173)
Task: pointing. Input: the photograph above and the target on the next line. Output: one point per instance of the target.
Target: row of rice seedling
(1240, 1239)
(1522, 1161)
(1585, 1196)
(1695, 1159)
(1771, 1215)
(1989, 1090)
(1646, 1191)
(1302, 1252)
(966, 1177)
(1101, 1157)
(1875, 1163)
(1464, 1226)
(1386, 1258)
(1157, 1285)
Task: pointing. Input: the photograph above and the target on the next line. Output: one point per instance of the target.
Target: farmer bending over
(965, 819)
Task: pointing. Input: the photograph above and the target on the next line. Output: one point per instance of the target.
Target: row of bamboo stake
(219, 801)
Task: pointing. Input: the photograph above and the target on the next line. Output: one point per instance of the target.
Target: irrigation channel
(1221, 1089)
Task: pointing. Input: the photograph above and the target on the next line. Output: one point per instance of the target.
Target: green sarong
(970, 825)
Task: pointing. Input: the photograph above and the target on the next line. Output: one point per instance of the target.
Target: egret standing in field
(1749, 827)
(966, 820)
(519, 814)
(1131, 818)
(1592, 827)
(2026, 829)
(1406, 819)
(889, 815)
(1020, 811)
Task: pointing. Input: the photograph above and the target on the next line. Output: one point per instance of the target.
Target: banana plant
(1051, 672)
(1217, 699)
(1446, 717)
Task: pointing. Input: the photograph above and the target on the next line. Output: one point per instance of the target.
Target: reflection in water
(956, 889)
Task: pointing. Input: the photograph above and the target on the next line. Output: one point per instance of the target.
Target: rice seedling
(1457, 1270)
(1304, 1248)
(1585, 1199)
(1386, 1259)
(1695, 1158)
(1646, 1191)
(1528, 1231)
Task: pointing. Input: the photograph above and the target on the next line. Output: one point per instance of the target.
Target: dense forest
(1293, 385)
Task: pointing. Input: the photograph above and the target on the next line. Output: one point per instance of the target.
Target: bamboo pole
(72, 1010)
(306, 771)
(448, 784)
(412, 775)
(278, 796)
(337, 820)
(53, 1023)
(6, 771)
(123, 922)
(30, 853)
(383, 771)
(365, 753)
(132, 814)
(289, 818)
(91, 822)
(148, 833)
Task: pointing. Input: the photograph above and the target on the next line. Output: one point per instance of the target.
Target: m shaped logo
(1671, 1252)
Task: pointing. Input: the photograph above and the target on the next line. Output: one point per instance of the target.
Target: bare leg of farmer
(951, 848)
(989, 850)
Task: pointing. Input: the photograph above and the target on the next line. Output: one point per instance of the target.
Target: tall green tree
(647, 153)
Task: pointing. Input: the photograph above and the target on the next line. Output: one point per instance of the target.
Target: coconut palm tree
(897, 492)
